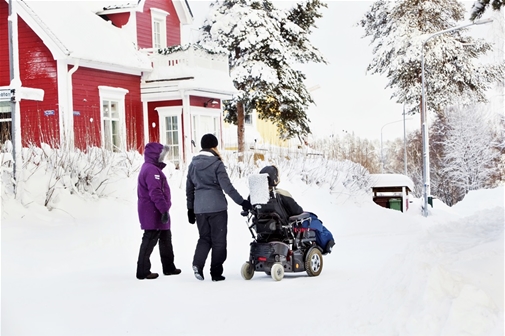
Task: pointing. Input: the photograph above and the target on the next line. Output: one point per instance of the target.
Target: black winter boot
(150, 276)
(218, 278)
(173, 272)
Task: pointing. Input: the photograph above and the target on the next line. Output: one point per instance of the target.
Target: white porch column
(147, 126)
(187, 134)
(63, 103)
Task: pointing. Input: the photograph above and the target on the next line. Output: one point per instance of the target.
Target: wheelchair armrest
(300, 217)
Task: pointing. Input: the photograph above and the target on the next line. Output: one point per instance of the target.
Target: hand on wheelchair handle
(244, 213)
(246, 205)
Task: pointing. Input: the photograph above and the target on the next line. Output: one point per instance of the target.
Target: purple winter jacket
(153, 191)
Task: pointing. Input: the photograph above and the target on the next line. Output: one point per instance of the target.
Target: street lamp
(424, 129)
(382, 159)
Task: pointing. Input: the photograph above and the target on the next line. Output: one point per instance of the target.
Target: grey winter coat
(207, 179)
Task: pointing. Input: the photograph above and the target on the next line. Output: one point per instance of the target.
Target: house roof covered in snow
(391, 180)
(73, 31)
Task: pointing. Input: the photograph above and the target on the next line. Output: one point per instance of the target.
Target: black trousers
(149, 241)
(213, 228)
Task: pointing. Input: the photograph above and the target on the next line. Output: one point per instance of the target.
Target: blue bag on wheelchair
(323, 235)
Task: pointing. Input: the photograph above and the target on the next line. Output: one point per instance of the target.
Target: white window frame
(159, 16)
(6, 108)
(115, 94)
(171, 111)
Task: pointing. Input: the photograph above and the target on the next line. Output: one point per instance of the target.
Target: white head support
(258, 188)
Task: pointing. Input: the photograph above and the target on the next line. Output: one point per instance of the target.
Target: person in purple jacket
(206, 183)
(153, 208)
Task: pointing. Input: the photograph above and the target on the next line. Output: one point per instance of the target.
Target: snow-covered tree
(471, 148)
(265, 44)
(398, 30)
(480, 6)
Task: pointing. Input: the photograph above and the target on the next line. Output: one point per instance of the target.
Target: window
(113, 118)
(159, 28)
(248, 119)
(170, 132)
(5, 122)
(172, 139)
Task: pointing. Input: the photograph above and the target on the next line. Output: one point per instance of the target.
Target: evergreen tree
(398, 29)
(264, 45)
(480, 6)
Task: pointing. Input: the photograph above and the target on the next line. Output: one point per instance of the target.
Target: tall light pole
(424, 129)
(404, 143)
(382, 159)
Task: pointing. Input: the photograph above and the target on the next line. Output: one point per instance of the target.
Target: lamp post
(424, 129)
(404, 143)
(382, 159)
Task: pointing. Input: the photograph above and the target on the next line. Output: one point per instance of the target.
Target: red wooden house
(105, 83)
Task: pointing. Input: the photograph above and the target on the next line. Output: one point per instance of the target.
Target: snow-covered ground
(71, 271)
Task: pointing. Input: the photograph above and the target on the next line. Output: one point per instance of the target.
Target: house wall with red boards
(87, 115)
(37, 69)
(4, 45)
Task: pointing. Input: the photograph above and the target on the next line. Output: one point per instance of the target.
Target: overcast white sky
(348, 99)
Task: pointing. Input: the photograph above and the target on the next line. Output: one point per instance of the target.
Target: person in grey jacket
(206, 180)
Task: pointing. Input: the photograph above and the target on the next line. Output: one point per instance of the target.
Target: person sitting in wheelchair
(290, 207)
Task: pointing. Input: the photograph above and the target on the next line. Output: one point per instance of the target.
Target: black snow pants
(149, 241)
(213, 228)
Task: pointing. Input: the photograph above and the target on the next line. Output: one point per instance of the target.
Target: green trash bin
(395, 203)
(430, 201)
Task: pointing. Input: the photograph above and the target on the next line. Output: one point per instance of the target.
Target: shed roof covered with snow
(391, 180)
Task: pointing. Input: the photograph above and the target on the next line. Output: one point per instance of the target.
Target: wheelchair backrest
(266, 203)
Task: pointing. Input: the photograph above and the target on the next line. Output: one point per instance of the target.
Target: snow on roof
(83, 35)
(104, 5)
(391, 180)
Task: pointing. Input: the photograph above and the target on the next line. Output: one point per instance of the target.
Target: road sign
(5, 95)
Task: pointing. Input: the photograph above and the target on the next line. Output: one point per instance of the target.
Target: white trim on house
(159, 17)
(115, 94)
(183, 11)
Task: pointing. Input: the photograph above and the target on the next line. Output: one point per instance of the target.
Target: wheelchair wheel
(277, 272)
(247, 271)
(314, 262)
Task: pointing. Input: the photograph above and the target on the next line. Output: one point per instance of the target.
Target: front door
(203, 124)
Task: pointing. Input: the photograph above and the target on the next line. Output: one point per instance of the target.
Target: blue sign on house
(77, 113)
(48, 112)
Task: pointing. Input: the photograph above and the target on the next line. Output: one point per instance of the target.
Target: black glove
(191, 216)
(246, 205)
(164, 217)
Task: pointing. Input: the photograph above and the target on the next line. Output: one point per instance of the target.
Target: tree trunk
(240, 129)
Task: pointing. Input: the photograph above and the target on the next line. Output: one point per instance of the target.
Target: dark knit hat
(208, 141)
(273, 175)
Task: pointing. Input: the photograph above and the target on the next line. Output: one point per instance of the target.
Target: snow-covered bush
(49, 171)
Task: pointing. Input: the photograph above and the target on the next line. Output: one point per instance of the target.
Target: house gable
(144, 23)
